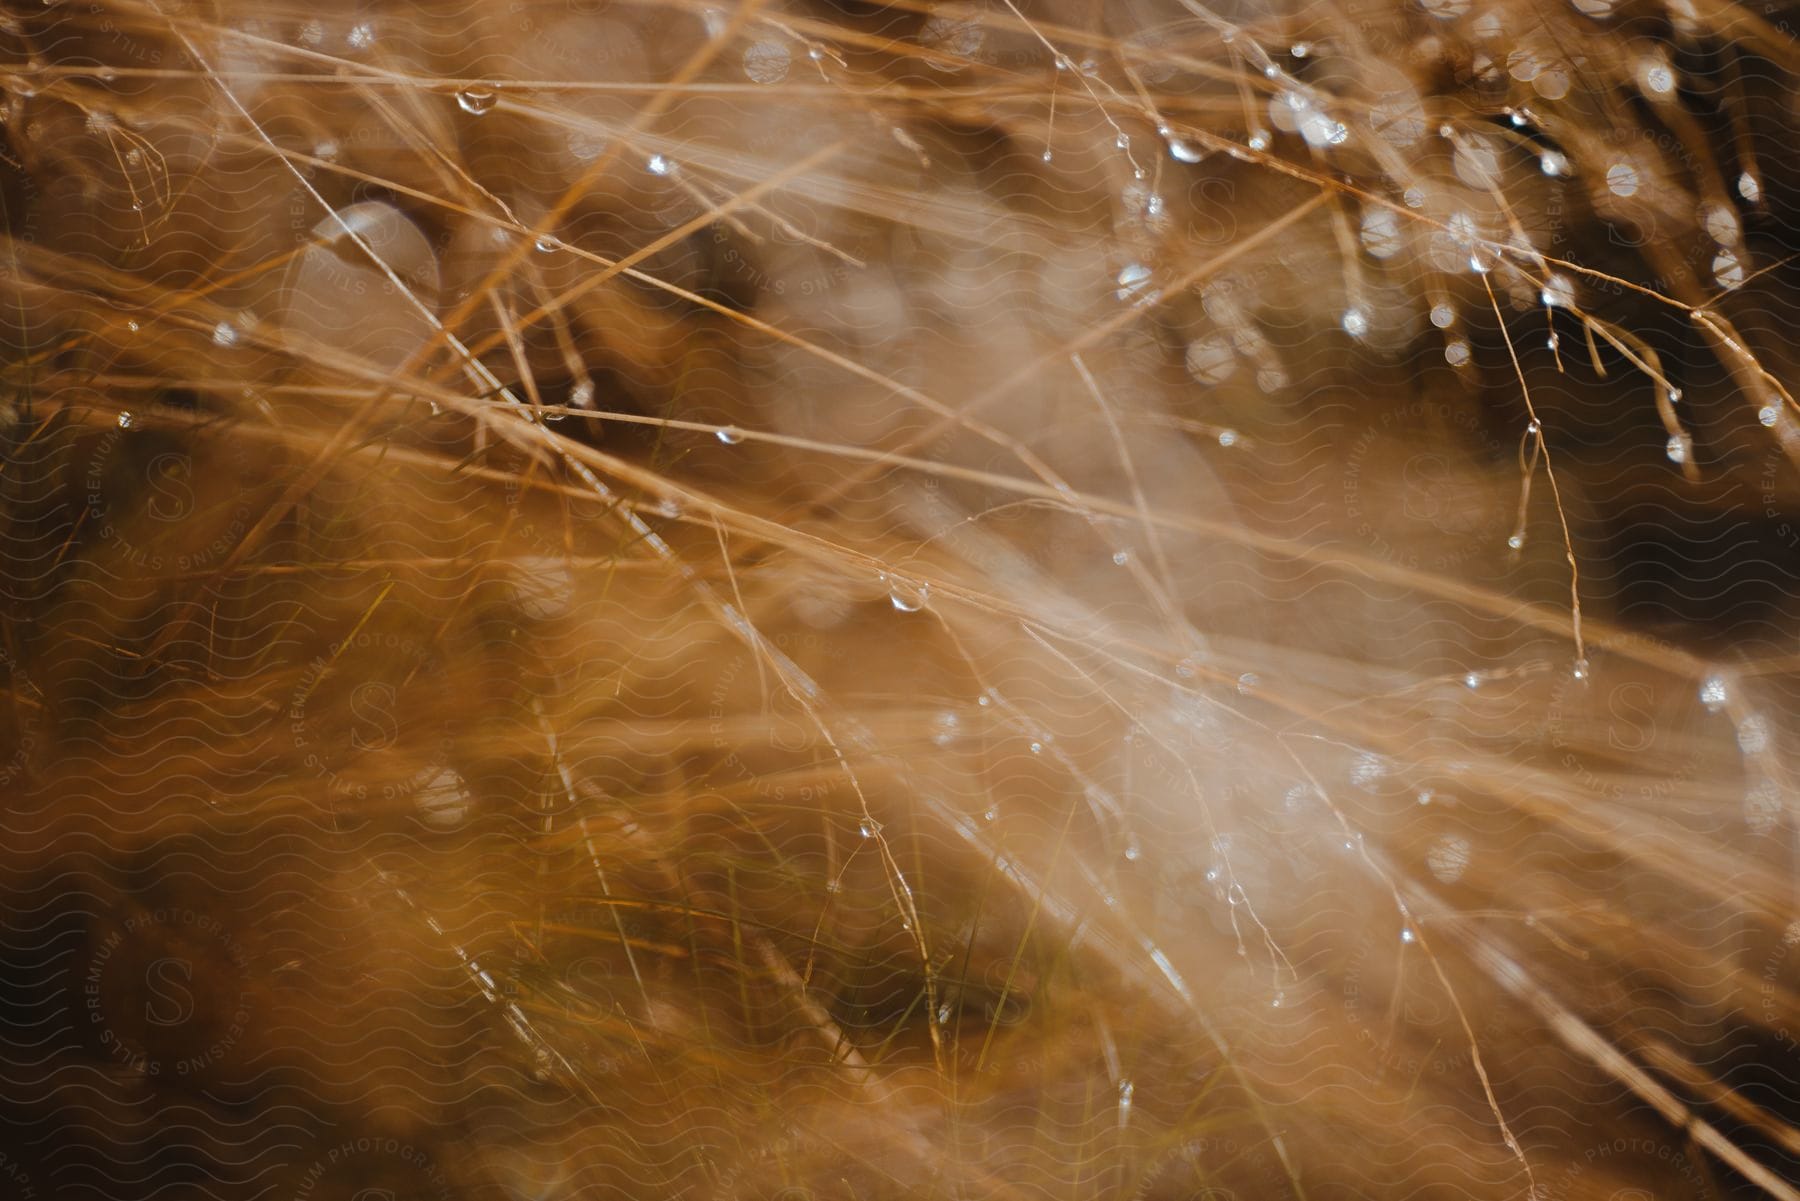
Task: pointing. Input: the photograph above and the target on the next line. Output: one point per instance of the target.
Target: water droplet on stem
(477, 100)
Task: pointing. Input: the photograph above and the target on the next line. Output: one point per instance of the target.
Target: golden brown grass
(855, 600)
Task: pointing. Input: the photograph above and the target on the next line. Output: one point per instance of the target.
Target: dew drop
(1714, 693)
(1443, 316)
(1677, 448)
(1248, 683)
(656, 164)
(1355, 322)
(906, 596)
(1457, 353)
(1656, 77)
(1727, 270)
(585, 145)
(1768, 415)
(959, 38)
(730, 435)
(1753, 735)
(1448, 858)
(1211, 360)
(1321, 129)
(1185, 152)
(767, 62)
(1381, 237)
(1516, 542)
(1472, 681)
(1228, 438)
(548, 244)
(1579, 669)
(1558, 293)
(868, 827)
(1133, 279)
(445, 799)
(1406, 935)
(1120, 558)
(1258, 140)
(1368, 770)
(581, 393)
(1749, 188)
(1623, 179)
(1553, 163)
(225, 334)
(1721, 224)
(125, 419)
(1763, 808)
(477, 101)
